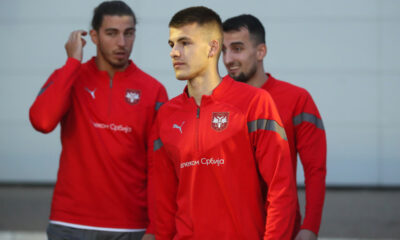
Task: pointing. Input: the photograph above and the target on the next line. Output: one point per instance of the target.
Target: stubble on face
(117, 63)
(115, 52)
(240, 55)
(244, 77)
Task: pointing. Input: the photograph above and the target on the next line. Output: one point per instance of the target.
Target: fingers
(77, 34)
(83, 42)
(74, 45)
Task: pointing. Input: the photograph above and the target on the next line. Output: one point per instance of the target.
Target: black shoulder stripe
(265, 124)
(307, 117)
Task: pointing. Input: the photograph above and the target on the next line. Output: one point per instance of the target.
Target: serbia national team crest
(132, 96)
(219, 121)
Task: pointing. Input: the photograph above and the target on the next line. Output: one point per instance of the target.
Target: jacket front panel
(209, 171)
(214, 176)
(102, 176)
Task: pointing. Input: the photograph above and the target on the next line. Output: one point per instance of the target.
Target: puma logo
(91, 92)
(178, 127)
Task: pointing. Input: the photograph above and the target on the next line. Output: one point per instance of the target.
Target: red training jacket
(210, 165)
(306, 136)
(105, 122)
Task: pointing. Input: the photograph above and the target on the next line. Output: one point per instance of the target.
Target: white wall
(345, 52)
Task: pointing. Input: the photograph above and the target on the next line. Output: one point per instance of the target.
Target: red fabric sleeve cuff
(72, 62)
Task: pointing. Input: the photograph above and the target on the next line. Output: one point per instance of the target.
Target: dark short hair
(251, 23)
(111, 8)
(200, 15)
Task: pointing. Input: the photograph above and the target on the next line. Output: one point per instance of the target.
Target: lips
(233, 69)
(120, 54)
(178, 64)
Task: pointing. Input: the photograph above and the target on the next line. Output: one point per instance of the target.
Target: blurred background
(344, 52)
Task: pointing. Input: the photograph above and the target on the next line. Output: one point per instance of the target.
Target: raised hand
(74, 45)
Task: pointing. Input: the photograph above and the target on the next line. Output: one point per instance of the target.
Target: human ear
(261, 51)
(214, 48)
(94, 36)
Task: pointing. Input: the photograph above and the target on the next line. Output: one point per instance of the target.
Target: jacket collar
(269, 83)
(216, 94)
(131, 67)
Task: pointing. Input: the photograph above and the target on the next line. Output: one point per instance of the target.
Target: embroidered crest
(219, 121)
(132, 96)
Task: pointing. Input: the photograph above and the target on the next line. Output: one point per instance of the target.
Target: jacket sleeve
(161, 98)
(311, 145)
(54, 97)
(164, 182)
(272, 154)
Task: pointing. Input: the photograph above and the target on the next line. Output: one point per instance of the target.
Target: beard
(244, 77)
(116, 64)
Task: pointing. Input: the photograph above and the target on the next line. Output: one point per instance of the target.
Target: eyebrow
(236, 43)
(115, 29)
(181, 39)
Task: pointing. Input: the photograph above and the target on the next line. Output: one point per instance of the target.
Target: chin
(240, 78)
(120, 64)
(181, 78)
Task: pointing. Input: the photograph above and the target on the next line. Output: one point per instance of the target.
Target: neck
(203, 85)
(259, 78)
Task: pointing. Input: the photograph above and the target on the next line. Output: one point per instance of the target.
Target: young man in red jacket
(244, 49)
(217, 146)
(106, 108)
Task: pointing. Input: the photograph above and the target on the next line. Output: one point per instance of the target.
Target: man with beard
(243, 53)
(106, 107)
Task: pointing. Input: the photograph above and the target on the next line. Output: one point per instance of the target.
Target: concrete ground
(348, 213)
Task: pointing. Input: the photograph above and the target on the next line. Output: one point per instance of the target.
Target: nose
(121, 40)
(226, 57)
(174, 52)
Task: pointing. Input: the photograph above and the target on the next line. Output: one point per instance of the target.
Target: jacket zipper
(197, 129)
(110, 97)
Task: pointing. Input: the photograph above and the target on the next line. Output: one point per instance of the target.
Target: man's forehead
(188, 31)
(240, 35)
(116, 20)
